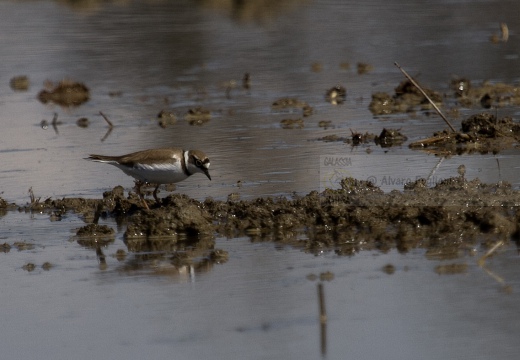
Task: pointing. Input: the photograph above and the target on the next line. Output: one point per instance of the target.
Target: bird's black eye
(198, 163)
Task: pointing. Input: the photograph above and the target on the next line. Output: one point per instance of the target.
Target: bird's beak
(206, 172)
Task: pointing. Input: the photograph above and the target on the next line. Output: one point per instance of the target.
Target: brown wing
(150, 156)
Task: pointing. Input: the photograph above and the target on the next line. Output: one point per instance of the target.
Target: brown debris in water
(387, 138)
(292, 103)
(166, 118)
(19, 83)
(292, 123)
(364, 68)
(65, 93)
(198, 116)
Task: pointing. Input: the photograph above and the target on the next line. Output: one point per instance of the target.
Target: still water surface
(260, 304)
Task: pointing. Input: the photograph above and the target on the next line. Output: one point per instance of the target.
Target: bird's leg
(155, 194)
(138, 184)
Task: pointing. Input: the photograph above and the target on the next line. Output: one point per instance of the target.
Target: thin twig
(106, 119)
(427, 97)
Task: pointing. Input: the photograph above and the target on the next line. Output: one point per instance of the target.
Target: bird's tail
(101, 158)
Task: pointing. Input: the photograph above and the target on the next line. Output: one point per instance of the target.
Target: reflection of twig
(499, 279)
(323, 319)
(426, 96)
(55, 123)
(482, 263)
(101, 258)
(490, 252)
(97, 213)
(106, 119)
(32, 197)
(435, 169)
(106, 135)
(110, 126)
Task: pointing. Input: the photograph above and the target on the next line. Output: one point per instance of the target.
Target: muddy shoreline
(447, 220)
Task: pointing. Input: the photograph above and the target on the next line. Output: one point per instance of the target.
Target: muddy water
(140, 58)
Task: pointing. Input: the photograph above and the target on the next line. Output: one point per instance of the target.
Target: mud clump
(95, 230)
(292, 124)
(482, 133)
(166, 118)
(387, 138)
(486, 95)
(198, 116)
(179, 214)
(19, 83)
(445, 220)
(291, 104)
(364, 68)
(83, 122)
(406, 97)
(66, 93)
(5, 247)
(93, 235)
(488, 126)
(336, 95)
(360, 216)
(29, 267)
(22, 245)
(390, 137)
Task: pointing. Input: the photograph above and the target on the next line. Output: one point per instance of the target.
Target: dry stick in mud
(426, 96)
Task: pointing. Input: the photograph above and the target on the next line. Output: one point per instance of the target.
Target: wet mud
(447, 220)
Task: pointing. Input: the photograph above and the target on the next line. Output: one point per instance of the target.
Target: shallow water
(260, 303)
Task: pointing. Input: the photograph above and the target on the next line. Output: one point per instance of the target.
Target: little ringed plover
(158, 166)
